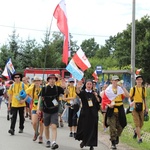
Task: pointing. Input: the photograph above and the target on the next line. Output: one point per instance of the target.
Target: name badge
(90, 103)
(54, 101)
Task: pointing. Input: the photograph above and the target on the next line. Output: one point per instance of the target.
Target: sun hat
(115, 77)
(36, 78)
(20, 74)
(51, 76)
(70, 80)
(139, 76)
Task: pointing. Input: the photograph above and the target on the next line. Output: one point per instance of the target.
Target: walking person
(34, 92)
(138, 102)
(87, 129)
(60, 82)
(103, 111)
(27, 108)
(69, 97)
(2, 91)
(49, 101)
(17, 104)
(115, 115)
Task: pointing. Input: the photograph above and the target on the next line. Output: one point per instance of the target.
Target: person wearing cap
(115, 116)
(87, 129)
(17, 104)
(69, 97)
(33, 92)
(138, 102)
(48, 98)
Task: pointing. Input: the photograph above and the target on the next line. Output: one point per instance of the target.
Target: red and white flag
(95, 75)
(109, 95)
(138, 71)
(81, 60)
(60, 15)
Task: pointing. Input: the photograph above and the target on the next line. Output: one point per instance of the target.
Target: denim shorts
(33, 111)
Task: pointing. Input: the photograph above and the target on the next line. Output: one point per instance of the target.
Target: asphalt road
(23, 141)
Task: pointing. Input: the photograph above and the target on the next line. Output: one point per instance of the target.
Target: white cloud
(88, 17)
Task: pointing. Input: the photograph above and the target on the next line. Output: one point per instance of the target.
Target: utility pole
(133, 46)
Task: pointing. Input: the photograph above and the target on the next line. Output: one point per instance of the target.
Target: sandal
(35, 137)
(40, 139)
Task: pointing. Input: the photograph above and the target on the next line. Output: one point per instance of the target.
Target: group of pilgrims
(57, 101)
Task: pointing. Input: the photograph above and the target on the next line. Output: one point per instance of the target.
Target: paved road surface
(24, 141)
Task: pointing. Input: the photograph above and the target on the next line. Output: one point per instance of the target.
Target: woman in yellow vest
(33, 92)
(70, 95)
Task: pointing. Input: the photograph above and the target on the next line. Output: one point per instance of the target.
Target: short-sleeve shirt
(72, 92)
(34, 92)
(48, 94)
(14, 91)
(138, 94)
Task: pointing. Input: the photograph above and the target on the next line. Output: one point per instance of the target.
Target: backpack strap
(143, 96)
(143, 93)
(56, 90)
(22, 85)
(133, 94)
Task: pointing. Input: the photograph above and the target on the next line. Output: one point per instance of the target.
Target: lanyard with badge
(90, 103)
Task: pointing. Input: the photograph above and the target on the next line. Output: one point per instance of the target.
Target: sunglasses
(16, 77)
(71, 81)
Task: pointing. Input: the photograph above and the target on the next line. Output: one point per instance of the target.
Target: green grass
(126, 138)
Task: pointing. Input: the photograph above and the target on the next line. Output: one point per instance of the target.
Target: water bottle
(131, 107)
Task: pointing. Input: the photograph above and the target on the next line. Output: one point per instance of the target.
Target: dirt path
(104, 138)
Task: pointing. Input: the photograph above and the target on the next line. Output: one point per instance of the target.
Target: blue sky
(97, 18)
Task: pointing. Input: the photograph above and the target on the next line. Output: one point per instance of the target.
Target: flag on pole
(74, 70)
(109, 95)
(95, 75)
(60, 15)
(138, 71)
(9, 69)
(81, 60)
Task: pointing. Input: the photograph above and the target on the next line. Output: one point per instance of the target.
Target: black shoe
(20, 131)
(117, 140)
(58, 125)
(140, 141)
(135, 135)
(54, 146)
(81, 145)
(74, 135)
(26, 116)
(8, 117)
(71, 134)
(113, 146)
(91, 148)
(11, 131)
(61, 124)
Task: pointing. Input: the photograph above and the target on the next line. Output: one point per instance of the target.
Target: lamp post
(133, 46)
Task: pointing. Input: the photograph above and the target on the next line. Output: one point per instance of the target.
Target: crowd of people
(45, 102)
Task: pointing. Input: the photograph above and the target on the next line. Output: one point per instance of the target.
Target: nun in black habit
(87, 129)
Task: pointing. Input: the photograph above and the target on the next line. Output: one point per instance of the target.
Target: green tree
(90, 47)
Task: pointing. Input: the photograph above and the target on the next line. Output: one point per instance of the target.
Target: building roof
(116, 71)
